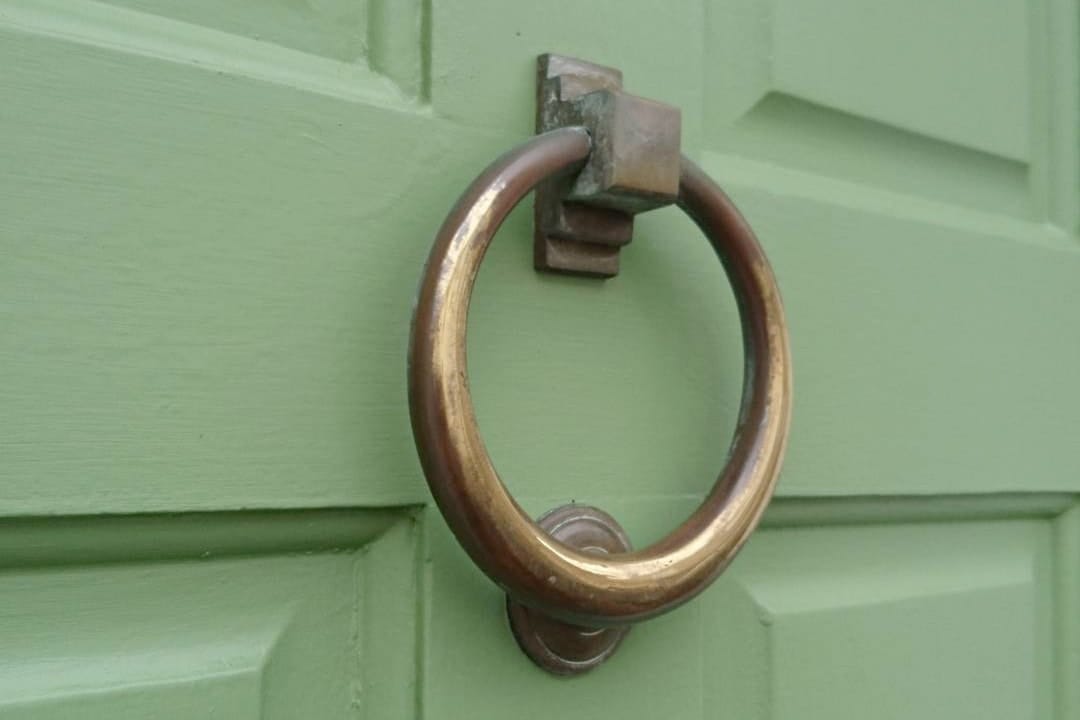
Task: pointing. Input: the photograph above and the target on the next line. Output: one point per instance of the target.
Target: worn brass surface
(582, 221)
(556, 646)
(534, 568)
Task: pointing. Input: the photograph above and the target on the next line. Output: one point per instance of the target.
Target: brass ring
(505, 543)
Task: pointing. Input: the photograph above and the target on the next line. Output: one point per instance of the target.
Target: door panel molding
(51, 540)
(380, 59)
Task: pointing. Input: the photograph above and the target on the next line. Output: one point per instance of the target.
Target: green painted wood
(270, 635)
(1066, 619)
(213, 219)
(918, 607)
(41, 541)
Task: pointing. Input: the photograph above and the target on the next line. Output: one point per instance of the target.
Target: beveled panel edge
(797, 511)
(399, 44)
(828, 143)
(379, 82)
(1066, 615)
(1055, 30)
(394, 624)
(892, 204)
(44, 541)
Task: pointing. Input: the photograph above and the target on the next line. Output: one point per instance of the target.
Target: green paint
(1066, 618)
(279, 636)
(96, 539)
(213, 220)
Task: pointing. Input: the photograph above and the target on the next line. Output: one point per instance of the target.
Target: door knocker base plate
(556, 646)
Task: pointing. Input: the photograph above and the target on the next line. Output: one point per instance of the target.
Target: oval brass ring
(502, 540)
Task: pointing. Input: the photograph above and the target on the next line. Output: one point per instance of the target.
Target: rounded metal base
(554, 645)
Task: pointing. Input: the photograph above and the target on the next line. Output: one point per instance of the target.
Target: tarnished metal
(581, 222)
(560, 647)
(539, 571)
(500, 537)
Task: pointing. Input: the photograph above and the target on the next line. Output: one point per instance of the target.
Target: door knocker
(572, 580)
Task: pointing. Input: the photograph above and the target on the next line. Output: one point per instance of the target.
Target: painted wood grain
(213, 218)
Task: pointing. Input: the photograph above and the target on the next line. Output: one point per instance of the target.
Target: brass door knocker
(573, 582)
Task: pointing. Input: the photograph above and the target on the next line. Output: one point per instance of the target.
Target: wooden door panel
(954, 606)
(916, 97)
(337, 29)
(939, 619)
(369, 50)
(958, 72)
(214, 216)
(938, 195)
(918, 367)
(201, 253)
(234, 615)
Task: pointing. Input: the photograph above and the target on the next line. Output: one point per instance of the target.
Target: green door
(214, 216)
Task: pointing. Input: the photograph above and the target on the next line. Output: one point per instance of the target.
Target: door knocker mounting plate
(581, 221)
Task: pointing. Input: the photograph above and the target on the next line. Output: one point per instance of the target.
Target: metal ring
(502, 540)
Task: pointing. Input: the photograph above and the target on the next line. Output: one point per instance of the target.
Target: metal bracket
(556, 646)
(581, 222)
